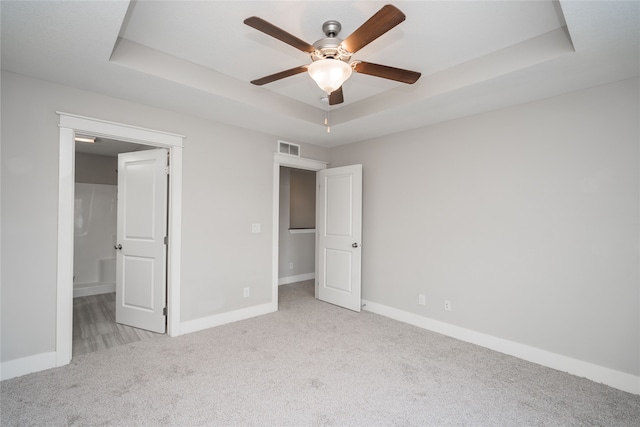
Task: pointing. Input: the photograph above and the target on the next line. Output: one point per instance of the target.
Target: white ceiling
(197, 57)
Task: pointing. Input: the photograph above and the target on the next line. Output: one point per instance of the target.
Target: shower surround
(95, 220)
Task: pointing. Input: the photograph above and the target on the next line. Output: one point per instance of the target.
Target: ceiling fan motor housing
(331, 28)
(330, 46)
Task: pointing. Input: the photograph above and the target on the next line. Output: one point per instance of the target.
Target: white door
(339, 228)
(141, 251)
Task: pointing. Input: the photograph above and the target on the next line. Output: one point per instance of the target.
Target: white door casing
(69, 124)
(339, 228)
(141, 231)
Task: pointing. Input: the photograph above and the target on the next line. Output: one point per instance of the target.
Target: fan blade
(280, 75)
(383, 20)
(275, 32)
(336, 97)
(391, 73)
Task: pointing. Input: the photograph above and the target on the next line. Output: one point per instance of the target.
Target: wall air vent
(288, 148)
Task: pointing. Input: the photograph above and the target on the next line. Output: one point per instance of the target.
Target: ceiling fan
(330, 66)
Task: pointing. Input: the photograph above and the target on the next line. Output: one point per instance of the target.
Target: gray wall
(96, 169)
(526, 218)
(220, 255)
(298, 249)
(302, 209)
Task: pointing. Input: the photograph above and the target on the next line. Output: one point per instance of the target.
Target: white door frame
(70, 124)
(291, 162)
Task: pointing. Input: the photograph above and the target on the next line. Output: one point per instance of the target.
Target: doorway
(100, 191)
(69, 125)
(280, 161)
(338, 231)
(297, 243)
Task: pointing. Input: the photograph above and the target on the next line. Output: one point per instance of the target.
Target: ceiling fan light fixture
(329, 74)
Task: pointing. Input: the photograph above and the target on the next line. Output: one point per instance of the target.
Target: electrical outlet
(421, 299)
(245, 292)
(447, 305)
(290, 266)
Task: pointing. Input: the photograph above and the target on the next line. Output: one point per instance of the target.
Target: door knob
(118, 247)
(355, 245)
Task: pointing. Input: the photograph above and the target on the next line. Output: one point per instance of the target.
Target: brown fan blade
(280, 75)
(391, 73)
(275, 32)
(381, 22)
(336, 97)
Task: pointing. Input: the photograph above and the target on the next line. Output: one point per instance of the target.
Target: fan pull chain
(326, 118)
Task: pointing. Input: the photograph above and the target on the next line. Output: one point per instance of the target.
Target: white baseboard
(93, 289)
(27, 365)
(294, 279)
(620, 380)
(224, 318)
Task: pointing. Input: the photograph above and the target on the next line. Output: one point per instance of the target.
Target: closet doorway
(297, 245)
(292, 163)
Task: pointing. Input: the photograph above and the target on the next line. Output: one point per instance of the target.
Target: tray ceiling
(198, 58)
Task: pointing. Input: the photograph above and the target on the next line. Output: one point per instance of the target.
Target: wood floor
(95, 327)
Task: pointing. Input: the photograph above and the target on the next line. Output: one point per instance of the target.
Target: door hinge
(166, 240)
(167, 170)
(164, 311)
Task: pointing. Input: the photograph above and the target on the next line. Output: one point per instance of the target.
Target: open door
(339, 228)
(141, 230)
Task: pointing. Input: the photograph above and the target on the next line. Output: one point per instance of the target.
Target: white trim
(299, 162)
(64, 289)
(302, 230)
(27, 365)
(96, 127)
(275, 234)
(293, 162)
(224, 318)
(297, 278)
(620, 380)
(87, 289)
(69, 124)
(174, 260)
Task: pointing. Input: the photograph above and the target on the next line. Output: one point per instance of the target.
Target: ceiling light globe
(329, 74)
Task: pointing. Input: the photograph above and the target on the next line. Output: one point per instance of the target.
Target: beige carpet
(310, 363)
